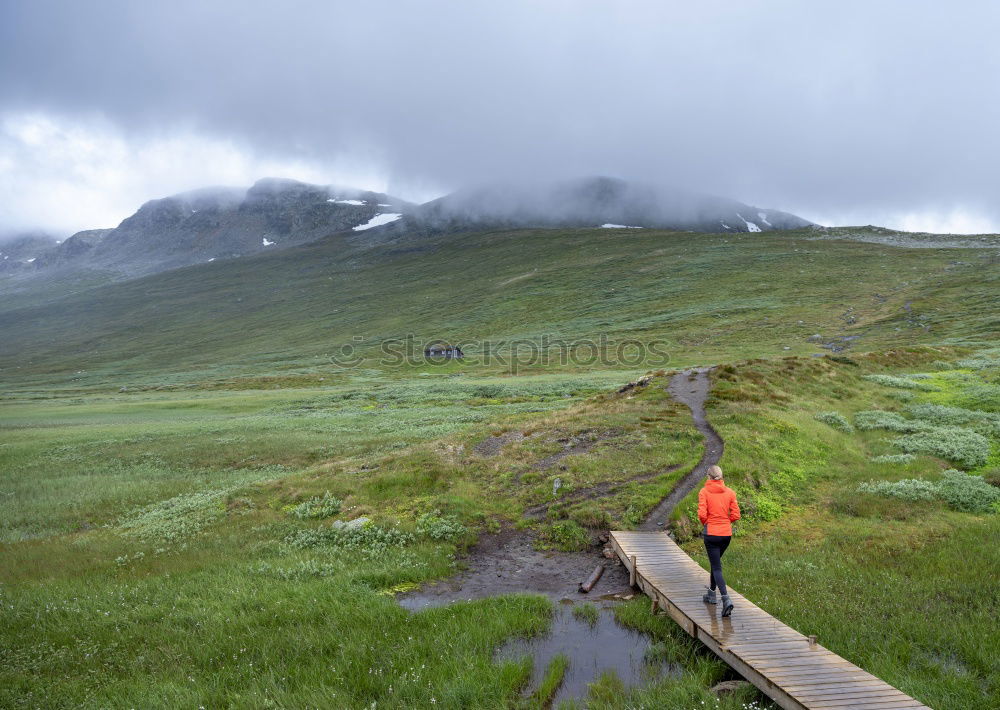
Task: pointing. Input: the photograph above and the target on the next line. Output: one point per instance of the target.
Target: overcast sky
(842, 112)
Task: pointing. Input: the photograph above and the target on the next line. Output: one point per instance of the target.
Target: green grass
(821, 555)
(276, 319)
(174, 544)
(551, 680)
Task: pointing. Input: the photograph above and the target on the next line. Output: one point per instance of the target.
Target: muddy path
(691, 388)
(596, 491)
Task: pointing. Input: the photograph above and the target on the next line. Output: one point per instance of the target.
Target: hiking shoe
(727, 605)
(709, 597)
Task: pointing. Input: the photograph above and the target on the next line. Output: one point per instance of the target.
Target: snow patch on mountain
(751, 226)
(763, 218)
(266, 242)
(378, 220)
(346, 202)
(618, 226)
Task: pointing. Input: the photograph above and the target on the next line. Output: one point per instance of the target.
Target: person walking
(717, 511)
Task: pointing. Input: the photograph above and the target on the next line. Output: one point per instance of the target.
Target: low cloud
(839, 112)
(66, 174)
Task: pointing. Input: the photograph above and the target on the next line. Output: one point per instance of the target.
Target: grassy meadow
(178, 457)
(895, 581)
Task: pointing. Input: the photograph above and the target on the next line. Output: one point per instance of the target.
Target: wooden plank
(758, 638)
(873, 683)
(775, 655)
(883, 693)
(813, 672)
(777, 670)
(774, 643)
(867, 704)
(804, 686)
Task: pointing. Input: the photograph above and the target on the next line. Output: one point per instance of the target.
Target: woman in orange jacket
(717, 511)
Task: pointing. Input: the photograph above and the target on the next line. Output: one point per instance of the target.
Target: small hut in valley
(443, 351)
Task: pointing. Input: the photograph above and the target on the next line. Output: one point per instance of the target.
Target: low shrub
(906, 489)
(316, 508)
(891, 421)
(567, 536)
(980, 362)
(369, 538)
(961, 446)
(168, 521)
(903, 383)
(836, 420)
(436, 527)
(969, 494)
(767, 508)
(987, 423)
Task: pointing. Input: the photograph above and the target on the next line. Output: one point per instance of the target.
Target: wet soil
(508, 563)
(491, 446)
(596, 491)
(579, 444)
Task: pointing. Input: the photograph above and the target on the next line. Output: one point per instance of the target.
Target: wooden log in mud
(592, 579)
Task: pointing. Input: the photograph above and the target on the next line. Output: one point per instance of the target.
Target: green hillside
(176, 452)
(709, 298)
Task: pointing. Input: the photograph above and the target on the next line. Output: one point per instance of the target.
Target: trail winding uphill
(690, 387)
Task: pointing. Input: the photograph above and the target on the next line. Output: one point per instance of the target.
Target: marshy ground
(173, 543)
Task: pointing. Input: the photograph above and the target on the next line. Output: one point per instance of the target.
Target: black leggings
(715, 546)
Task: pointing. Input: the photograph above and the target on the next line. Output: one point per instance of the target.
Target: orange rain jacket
(717, 507)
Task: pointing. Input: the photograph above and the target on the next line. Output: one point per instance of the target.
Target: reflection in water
(592, 649)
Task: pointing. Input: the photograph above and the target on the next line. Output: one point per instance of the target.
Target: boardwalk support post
(633, 574)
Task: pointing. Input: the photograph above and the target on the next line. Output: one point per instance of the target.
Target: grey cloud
(821, 109)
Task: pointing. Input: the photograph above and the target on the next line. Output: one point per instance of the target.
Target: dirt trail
(690, 387)
(596, 491)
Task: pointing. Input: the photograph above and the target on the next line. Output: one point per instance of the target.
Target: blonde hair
(715, 473)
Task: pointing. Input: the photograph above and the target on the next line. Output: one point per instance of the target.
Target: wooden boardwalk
(791, 669)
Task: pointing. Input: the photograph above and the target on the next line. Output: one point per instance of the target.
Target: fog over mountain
(589, 202)
(213, 223)
(205, 225)
(844, 113)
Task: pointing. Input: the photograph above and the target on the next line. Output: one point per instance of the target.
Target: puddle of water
(592, 650)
